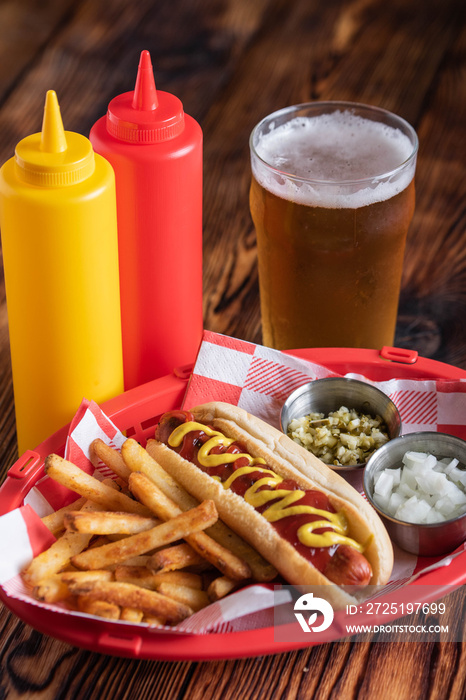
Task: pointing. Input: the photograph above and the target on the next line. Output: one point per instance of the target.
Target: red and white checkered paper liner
(258, 379)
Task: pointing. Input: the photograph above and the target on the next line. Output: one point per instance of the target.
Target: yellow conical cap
(54, 157)
(53, 139)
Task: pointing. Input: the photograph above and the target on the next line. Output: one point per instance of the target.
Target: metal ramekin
(431, 539)
(326, 395)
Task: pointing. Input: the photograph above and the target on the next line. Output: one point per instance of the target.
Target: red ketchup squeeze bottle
(156, 152)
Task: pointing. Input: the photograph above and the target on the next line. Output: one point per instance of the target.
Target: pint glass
(332, 197)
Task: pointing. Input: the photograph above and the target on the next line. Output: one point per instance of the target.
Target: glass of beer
(332, 197)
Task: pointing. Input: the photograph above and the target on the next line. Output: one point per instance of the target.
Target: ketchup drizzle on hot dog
(339, 562)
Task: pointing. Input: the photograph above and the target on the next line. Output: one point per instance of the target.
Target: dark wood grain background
(231, 62)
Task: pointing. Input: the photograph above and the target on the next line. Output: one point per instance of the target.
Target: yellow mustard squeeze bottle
(60, 250)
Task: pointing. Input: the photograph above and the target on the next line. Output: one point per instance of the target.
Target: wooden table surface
(232, 62)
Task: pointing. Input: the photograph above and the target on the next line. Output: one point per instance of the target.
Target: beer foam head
(334, 160)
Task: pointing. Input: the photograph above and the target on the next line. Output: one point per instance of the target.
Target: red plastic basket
(136, 413)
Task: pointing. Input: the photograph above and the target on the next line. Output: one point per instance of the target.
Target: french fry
(80, 576)
(51, 590)
(153, 620)
(191, 597)
(137, 575)
(68, 567)
(102, 608)
(193, 520)
(55, 588)
(145, 460)
(131, 615)
(99, 541)
(141, 576)
(137, 459)
(149, 494)
(54, 521)
(55, 558)
(129, 596)
(141, 560)
(180, 556)
(112, 483)
(220, 587)
(182, 578)
(58, 555)
(74, 478)
(117, 484)
(107, 522)
(112, 459)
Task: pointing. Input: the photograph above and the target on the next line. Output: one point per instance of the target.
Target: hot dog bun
(290, 461)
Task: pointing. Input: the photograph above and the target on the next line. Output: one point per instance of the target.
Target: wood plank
(25, 32)
(433, 298)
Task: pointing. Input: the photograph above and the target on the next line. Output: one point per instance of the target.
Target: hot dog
(304, 518)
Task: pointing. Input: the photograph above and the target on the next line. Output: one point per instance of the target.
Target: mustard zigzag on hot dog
(299, 514)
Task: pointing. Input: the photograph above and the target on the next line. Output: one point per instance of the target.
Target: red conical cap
(145, 94)
(145, 115)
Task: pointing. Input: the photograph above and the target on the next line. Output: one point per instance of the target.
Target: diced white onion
(423, 490)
